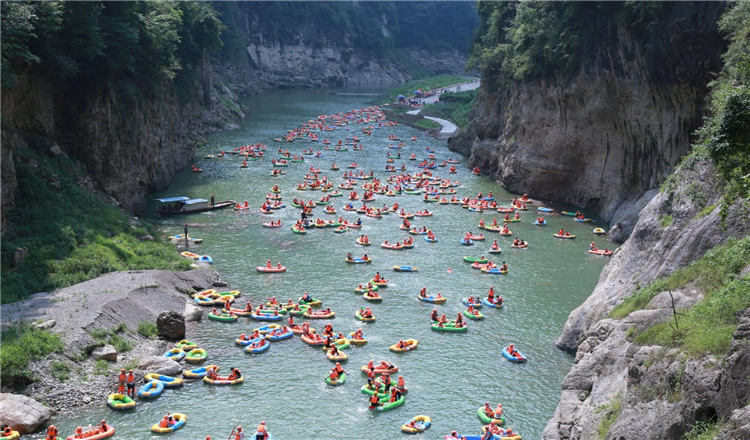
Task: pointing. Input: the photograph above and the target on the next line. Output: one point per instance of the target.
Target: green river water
(448, 377)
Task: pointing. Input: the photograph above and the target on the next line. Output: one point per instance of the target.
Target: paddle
(230, 435)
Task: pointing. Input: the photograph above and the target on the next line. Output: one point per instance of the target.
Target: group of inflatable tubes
(179, 422)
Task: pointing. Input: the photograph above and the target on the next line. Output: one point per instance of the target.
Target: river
(449, 376)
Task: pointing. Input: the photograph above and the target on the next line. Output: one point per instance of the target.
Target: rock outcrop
(171, 325)
(605, 137)
(22, 413)
(160, 365)
(616, 384)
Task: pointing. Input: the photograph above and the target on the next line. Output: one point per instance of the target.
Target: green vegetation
(426, 124)
(727, 132)
(142, 43)
(425, 84)
(706, 211)
(148, 329)
(665, 221)
(23, 344)
(611, 413)
(72, 235)
(101, 368)
(121, 344)
(453, 106)
(60, 371)
(705, 430)
(527, 40)
(715, 270)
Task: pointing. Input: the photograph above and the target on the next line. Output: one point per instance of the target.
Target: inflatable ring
(223, 380)
(564, 236)
(267, 328)
(486, 302)
(254, 348)
(152, 388)
(196, 356)
(449, 327)
(519, 358)
(336, 382)
(120, 402)
(487, 420)
(358, 315)
(311, 314)
(222, 317)
(168, 381)
(313, 303)
(421, 423)
(433, 299)
(405, 269)
(179, 419)
(341, 357)
(475, 316)
(386, 405)
(410, 345)
(354, 341)
(186, 345)
(313, 339)
(279, 335)
(175, 354)
(197, 373)
(477, 304)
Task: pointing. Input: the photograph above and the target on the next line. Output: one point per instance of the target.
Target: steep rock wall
(129, 144)
(604, 137)
(659, 389)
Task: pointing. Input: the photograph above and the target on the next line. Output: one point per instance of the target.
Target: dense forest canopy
(527, 40)
(152, 41)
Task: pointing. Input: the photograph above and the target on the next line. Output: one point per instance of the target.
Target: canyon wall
(611, 132)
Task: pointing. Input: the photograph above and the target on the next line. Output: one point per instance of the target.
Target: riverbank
(105, 324)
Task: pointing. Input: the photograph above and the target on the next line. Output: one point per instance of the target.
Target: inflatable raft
(179, 422)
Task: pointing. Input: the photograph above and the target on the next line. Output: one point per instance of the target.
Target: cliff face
(128, 144)
(604, 137)
(312, 56)
(659, 389)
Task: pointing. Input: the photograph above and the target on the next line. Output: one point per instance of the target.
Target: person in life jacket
(51, 433)
(121, 378)
(131, 383)
(374, 402)
(239, 434)
(261, 433)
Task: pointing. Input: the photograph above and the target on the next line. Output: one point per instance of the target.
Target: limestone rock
(160, 365)
(22, 413)
(192, 313)
(107, 353)
(171, 326)
(46, 324)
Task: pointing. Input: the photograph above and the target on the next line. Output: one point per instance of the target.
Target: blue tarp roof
(193, 201)
(173, 199)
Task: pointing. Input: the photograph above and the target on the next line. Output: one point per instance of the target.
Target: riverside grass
(72, 234)
(453, 106)
(22, 344)
(707, 327)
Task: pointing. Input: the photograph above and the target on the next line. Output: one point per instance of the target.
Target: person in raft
(349, 256)
(434, 315)
(268, 264)
(339, 369)
(51, 433)
(512, 350)
(235, 374)
(306, 297)
(423, 292)
(239, 434)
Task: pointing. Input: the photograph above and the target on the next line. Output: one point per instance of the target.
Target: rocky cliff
(614, 130)
(615, 383)
(129, 144)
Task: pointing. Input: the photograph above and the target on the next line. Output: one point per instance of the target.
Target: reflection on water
(448, 377)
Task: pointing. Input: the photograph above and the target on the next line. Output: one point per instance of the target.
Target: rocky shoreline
(85, 315)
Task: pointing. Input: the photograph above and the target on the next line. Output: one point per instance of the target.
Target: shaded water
(448, 377)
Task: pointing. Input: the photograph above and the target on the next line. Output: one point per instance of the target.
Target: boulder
(46, 324)
(171, 326)
(107, 353)
(160, 365)
(22, 413)
(192, 313)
